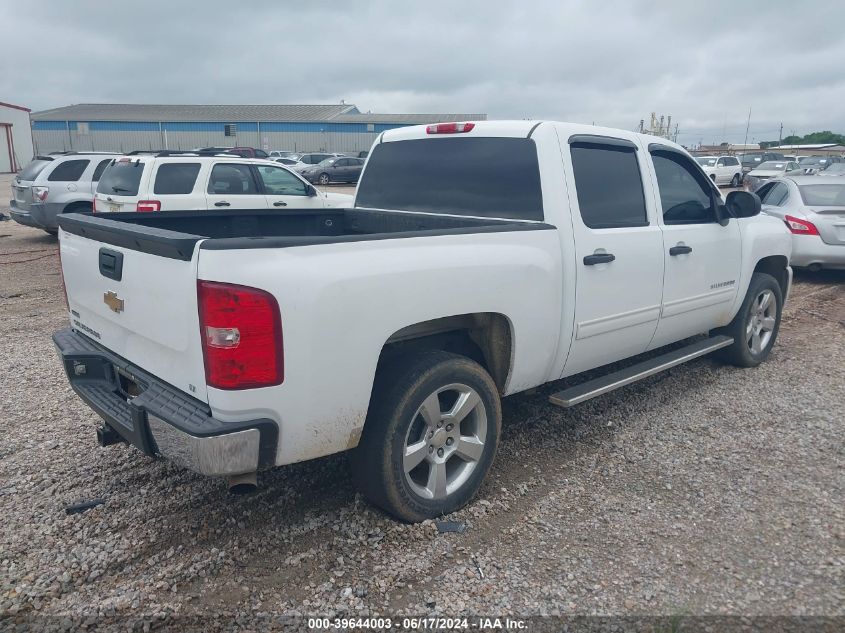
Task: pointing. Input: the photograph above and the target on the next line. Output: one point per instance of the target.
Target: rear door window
(777, 195)
(176, 178)
(68, 171)
(232, 179)
(609, 185)
(121, 178)
(481, 176)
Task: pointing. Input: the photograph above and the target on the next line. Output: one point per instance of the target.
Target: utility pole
(747, 125)
(780, 135)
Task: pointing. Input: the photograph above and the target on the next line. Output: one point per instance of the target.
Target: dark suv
(752, 160)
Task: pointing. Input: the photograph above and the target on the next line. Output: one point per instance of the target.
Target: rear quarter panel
(341, 302)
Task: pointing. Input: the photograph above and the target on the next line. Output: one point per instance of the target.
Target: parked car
(281, 153)
(723, 170)
(304, 161)
(174, 182)
(55, 184)
(248, 152)
(816, 164)
(408, 316)
(765, 171)
(813, 210)
(834, 169)
(334, 170)
(285, 161)
(752, 160)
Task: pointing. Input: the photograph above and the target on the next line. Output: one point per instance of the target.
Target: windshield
(482, 176)
(823, 195)
(706, 161)
(774, 165)
(835, 168)
(813, 160)
(31, 171)
(751, 158)
(121, 178)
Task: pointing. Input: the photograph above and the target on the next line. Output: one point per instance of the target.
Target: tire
(324, 179)
(414, 398)
(755, 327)
(736, 181)
(713, 177)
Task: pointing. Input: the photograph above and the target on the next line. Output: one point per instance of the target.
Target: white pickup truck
(479, 260)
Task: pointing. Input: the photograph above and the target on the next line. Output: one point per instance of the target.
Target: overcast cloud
(601, 61)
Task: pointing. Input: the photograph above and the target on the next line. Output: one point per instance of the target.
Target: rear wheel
(324, 179)
(430, 437)
(755, 327)
(736, 180)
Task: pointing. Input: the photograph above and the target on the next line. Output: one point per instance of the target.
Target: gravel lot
(704, 490)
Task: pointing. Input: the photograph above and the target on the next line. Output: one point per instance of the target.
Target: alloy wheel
(445, 441)
(762, 316)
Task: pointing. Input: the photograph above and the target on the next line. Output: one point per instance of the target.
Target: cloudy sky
(612, 63)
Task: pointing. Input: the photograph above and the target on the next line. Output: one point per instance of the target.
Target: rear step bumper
(160, 420)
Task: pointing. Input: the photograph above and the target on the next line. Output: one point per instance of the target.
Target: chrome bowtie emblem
(113, 301)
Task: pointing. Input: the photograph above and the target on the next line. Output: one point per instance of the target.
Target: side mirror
(743, 204)
(312, 190)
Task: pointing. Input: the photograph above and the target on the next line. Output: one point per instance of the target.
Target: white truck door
(702, 257)
(618, 252)
(233, 185)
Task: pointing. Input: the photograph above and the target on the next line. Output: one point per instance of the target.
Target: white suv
(723, 170)
(169, 181)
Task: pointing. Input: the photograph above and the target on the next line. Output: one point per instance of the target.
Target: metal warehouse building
(127, 127)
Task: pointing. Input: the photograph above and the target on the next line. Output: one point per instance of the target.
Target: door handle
(222, 203)
(598, 258)
(279, 203)
(680, 250)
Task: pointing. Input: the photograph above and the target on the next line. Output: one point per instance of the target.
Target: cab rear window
(488, 177)
(121, 178)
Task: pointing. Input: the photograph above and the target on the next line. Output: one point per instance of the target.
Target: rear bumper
(809, 250)
(39, 216)
(161, 420)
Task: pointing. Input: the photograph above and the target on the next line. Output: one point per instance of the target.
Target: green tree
(815, 137)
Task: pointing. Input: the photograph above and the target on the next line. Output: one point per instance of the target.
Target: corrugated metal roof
(412, 119)
(155, 112)
(339, 113)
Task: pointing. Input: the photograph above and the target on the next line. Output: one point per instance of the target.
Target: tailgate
(140, 305)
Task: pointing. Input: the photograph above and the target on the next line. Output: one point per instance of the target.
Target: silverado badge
(113, 301)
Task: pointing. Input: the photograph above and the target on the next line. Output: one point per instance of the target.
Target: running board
(604, 384)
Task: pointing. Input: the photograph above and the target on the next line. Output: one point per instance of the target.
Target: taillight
(800, 227)
(241, 331)
(148, 205)
(449, 128)
(94, 204)
(40, 193)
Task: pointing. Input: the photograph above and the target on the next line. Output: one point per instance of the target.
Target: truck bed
(175, 234)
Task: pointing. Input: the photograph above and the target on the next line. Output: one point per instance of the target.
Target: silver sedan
(813, 210)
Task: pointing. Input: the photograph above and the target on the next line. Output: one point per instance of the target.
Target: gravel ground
(705, 490)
